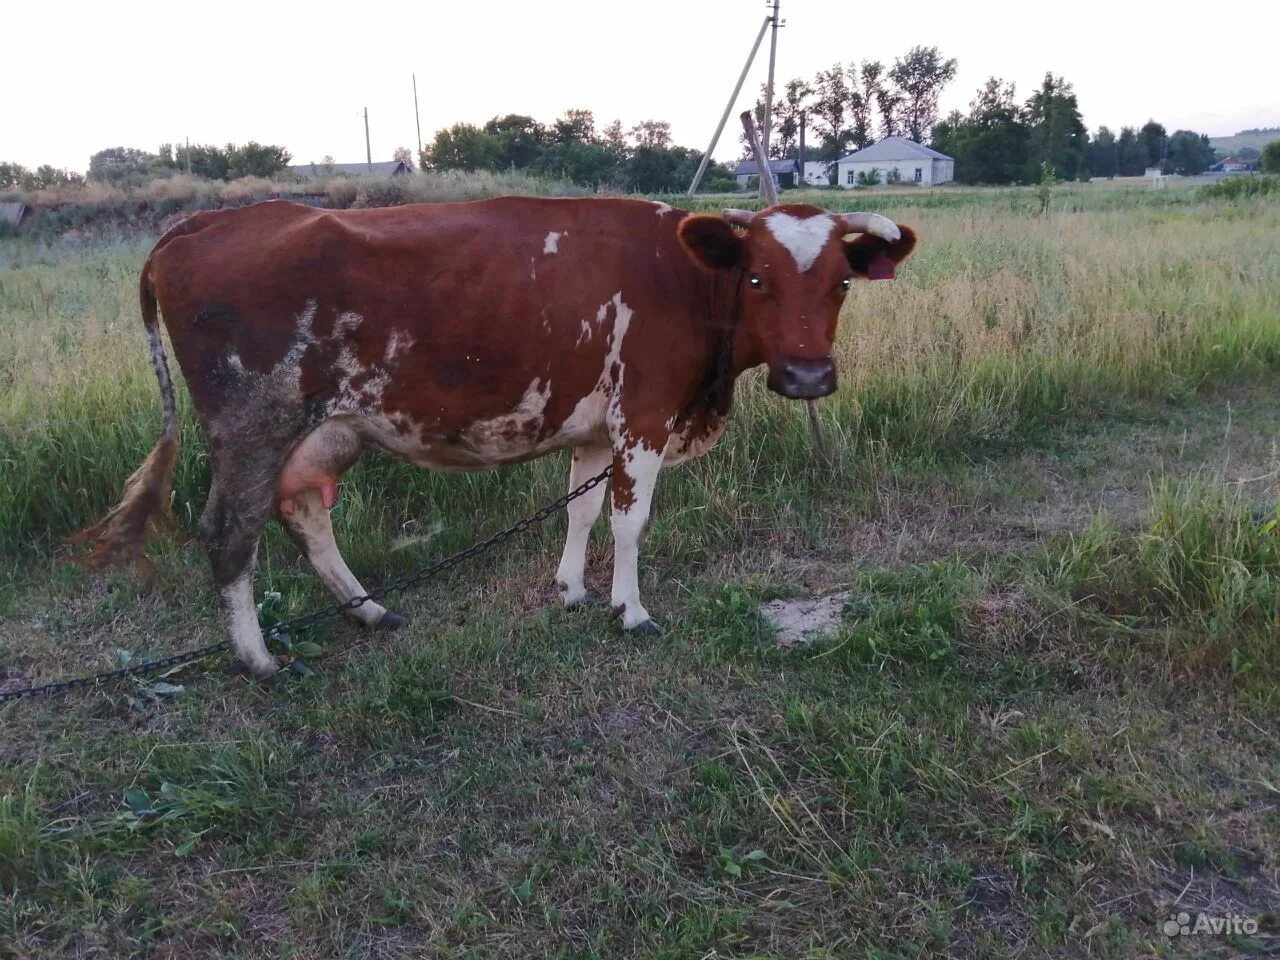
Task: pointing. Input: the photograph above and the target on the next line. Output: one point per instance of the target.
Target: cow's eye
(755, 281)
(846, 283)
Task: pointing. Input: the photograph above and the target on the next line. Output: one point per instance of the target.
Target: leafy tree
(592, 164)
(48, 176)
(1057, 135)
(990, 144)
(614, 138)
(1190, 153)
(207, 161)
(651, 133)
(575, 126)
(1104, 154)
(830, 102)
(866, 87)
(255, 159)
(520, 139)
(785, 136)
(1271, 157)
(12, 175)
(919, 78)
(1153, 136)
(787, 108)
(404, 155)
(1044, 189)
(1132, 153)
(888, 102)
(117, 164)
(462, 146)
(658, 169)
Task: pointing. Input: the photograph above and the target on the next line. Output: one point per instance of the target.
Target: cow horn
(740, 217)
(872, 223)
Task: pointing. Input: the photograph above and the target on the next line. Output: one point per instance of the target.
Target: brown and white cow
(468, 336)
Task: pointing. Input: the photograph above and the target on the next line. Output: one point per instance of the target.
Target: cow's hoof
(391, 621)
(647, 628)
(264, 669)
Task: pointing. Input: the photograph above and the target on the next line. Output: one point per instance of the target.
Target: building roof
(11, 213)
(312, 171)
(748, 167)
(894, 148)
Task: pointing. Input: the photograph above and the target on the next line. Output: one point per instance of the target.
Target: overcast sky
(138, 74)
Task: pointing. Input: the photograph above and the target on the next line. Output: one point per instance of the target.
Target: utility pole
(728, 108)
(188, 156)
(803, 182)
(768, 90)
(368, 152)
(416, 118)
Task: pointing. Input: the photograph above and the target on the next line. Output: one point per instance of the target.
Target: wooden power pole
(368, 152)
(768, 90)
(416, 118)
(728, 108)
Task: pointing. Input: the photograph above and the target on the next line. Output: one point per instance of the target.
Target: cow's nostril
(802, 378)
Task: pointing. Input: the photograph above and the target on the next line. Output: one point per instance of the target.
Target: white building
(817, 173)
(913, 162)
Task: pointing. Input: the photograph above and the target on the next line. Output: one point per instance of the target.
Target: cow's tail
(122, 533)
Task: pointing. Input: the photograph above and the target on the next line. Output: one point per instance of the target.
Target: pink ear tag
(881, 268)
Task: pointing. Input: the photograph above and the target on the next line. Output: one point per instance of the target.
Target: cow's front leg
(587, 462)
(635, 471)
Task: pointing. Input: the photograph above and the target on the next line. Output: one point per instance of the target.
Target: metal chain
(324, 613)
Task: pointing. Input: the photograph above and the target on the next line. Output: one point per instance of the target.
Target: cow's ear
(710, 241)
(876, 258)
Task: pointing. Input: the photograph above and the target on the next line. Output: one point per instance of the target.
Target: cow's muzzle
(803, 378)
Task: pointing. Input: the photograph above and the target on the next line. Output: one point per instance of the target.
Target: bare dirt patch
(798, 622)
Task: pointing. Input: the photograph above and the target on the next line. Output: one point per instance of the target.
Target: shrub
(341, 192)
(1241, 188)
(388, 192)
(1270, 158)
(249, 188)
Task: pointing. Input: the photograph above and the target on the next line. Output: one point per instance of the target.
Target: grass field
(1045, 722)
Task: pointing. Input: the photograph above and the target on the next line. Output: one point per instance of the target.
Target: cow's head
(796, 267)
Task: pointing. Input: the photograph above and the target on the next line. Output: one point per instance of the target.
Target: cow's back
(441, 316)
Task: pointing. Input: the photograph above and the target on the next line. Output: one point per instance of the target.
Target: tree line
(1000, 140)
(642, 159)
(850, 107)
(128, 166)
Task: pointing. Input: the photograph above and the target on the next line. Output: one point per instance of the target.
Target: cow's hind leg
(311, 529)
(239, 506)
(587, 462)
(305, 493)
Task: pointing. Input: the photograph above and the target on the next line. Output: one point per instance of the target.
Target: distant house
(318, 171)
(1232, 165)
(915, 163)
(786, 173)
(817, 173)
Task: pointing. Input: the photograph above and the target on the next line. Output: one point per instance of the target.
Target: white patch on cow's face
(552, 243)
(803, 237)
(662, 208)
